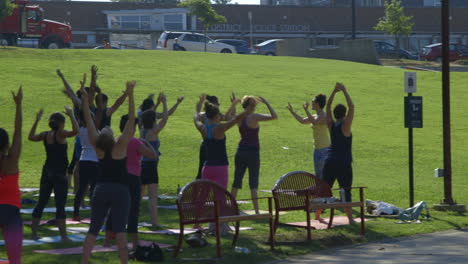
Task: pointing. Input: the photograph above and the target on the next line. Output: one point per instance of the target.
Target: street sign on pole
(410, 82)
(413, 119)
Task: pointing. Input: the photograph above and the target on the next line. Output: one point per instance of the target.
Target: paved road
(449, 247)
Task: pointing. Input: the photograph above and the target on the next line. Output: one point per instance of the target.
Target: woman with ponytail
(111, 191)
(213, 131)
(54, 171)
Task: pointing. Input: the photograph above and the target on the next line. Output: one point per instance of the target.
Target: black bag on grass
(151, 253)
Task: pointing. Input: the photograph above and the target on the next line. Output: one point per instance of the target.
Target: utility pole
(353, 18)
(448, 203)
(446, 103)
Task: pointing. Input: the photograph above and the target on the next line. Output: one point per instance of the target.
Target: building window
(91, 39)
(174, 22)
(130, 22)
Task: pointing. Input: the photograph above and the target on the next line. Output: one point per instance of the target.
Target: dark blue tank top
(340, 148)
(216, 154)
(57, 158)
(155, 144)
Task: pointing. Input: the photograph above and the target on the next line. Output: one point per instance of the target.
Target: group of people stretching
(117, 169)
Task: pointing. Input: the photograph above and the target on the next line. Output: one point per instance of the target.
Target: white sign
(410, 82)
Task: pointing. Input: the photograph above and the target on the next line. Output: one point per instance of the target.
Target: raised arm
(69, 91)
(128, 131)
(117, 104)
(93, 85)
(147, 150)
(200, 102)
(302, 120)
(329, 104)
(222, 128)
(199, 124)
(75, 127)
(231, 112)
(174, 108)
(32, 133)
(347, 122)
(263, 117)
(165, 116)
(91, 127)
(15, 149)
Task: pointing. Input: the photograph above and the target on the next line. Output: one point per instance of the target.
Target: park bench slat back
(204, 201)
(297, 190)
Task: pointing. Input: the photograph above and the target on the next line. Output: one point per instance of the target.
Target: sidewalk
(435, 248)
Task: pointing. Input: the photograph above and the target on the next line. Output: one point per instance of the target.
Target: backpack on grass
(151, 253)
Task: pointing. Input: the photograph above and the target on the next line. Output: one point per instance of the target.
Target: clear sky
(240, 2)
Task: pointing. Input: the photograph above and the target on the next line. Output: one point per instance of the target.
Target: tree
(395, 22)
(222, 2)
(6, 7)
(163, 2)
(203, 10)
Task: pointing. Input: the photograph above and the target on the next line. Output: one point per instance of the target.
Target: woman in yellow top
(320, 128)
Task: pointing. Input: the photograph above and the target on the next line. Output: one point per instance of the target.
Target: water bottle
(242, 250)
(178, 189)
(342, 195)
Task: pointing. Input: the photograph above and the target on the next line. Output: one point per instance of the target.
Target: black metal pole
(353, 18)
(411, 164)
(446, 103)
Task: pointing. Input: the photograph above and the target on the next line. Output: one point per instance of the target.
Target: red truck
(26, 26)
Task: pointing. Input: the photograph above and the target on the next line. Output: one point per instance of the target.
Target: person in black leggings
(136, 149)
(54, 171)
(111, 192)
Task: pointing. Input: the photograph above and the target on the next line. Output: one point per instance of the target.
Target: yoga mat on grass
(51, 210)
(26, 190)
(4, 261)
(96, 249)
(68, 221)
(252, 212)
(323, 224)
(186, 231)
(146, 224)
(74, 230)
(50, 240)
(53, 194)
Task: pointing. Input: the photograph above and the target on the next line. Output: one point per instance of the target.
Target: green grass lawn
(380, 146)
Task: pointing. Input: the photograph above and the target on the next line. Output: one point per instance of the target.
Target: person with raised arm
(10, 200)
(148, 104)
(248, 151)
(202, 117)
(149, 166)
(111, 192)
(137, 148)
(319, 126)
(89, 168)
(338, 165)
(54, 171)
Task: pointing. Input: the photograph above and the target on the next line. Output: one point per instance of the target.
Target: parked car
(242, 47)
(387, 50)
(434, 52)
(189, 41)
(267, 47)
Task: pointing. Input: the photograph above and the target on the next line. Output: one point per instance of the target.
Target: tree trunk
(206, 36)
(397, 47)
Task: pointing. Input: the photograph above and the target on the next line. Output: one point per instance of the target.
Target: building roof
(91, 16)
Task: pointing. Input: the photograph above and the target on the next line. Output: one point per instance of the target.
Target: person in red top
(10, 203)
